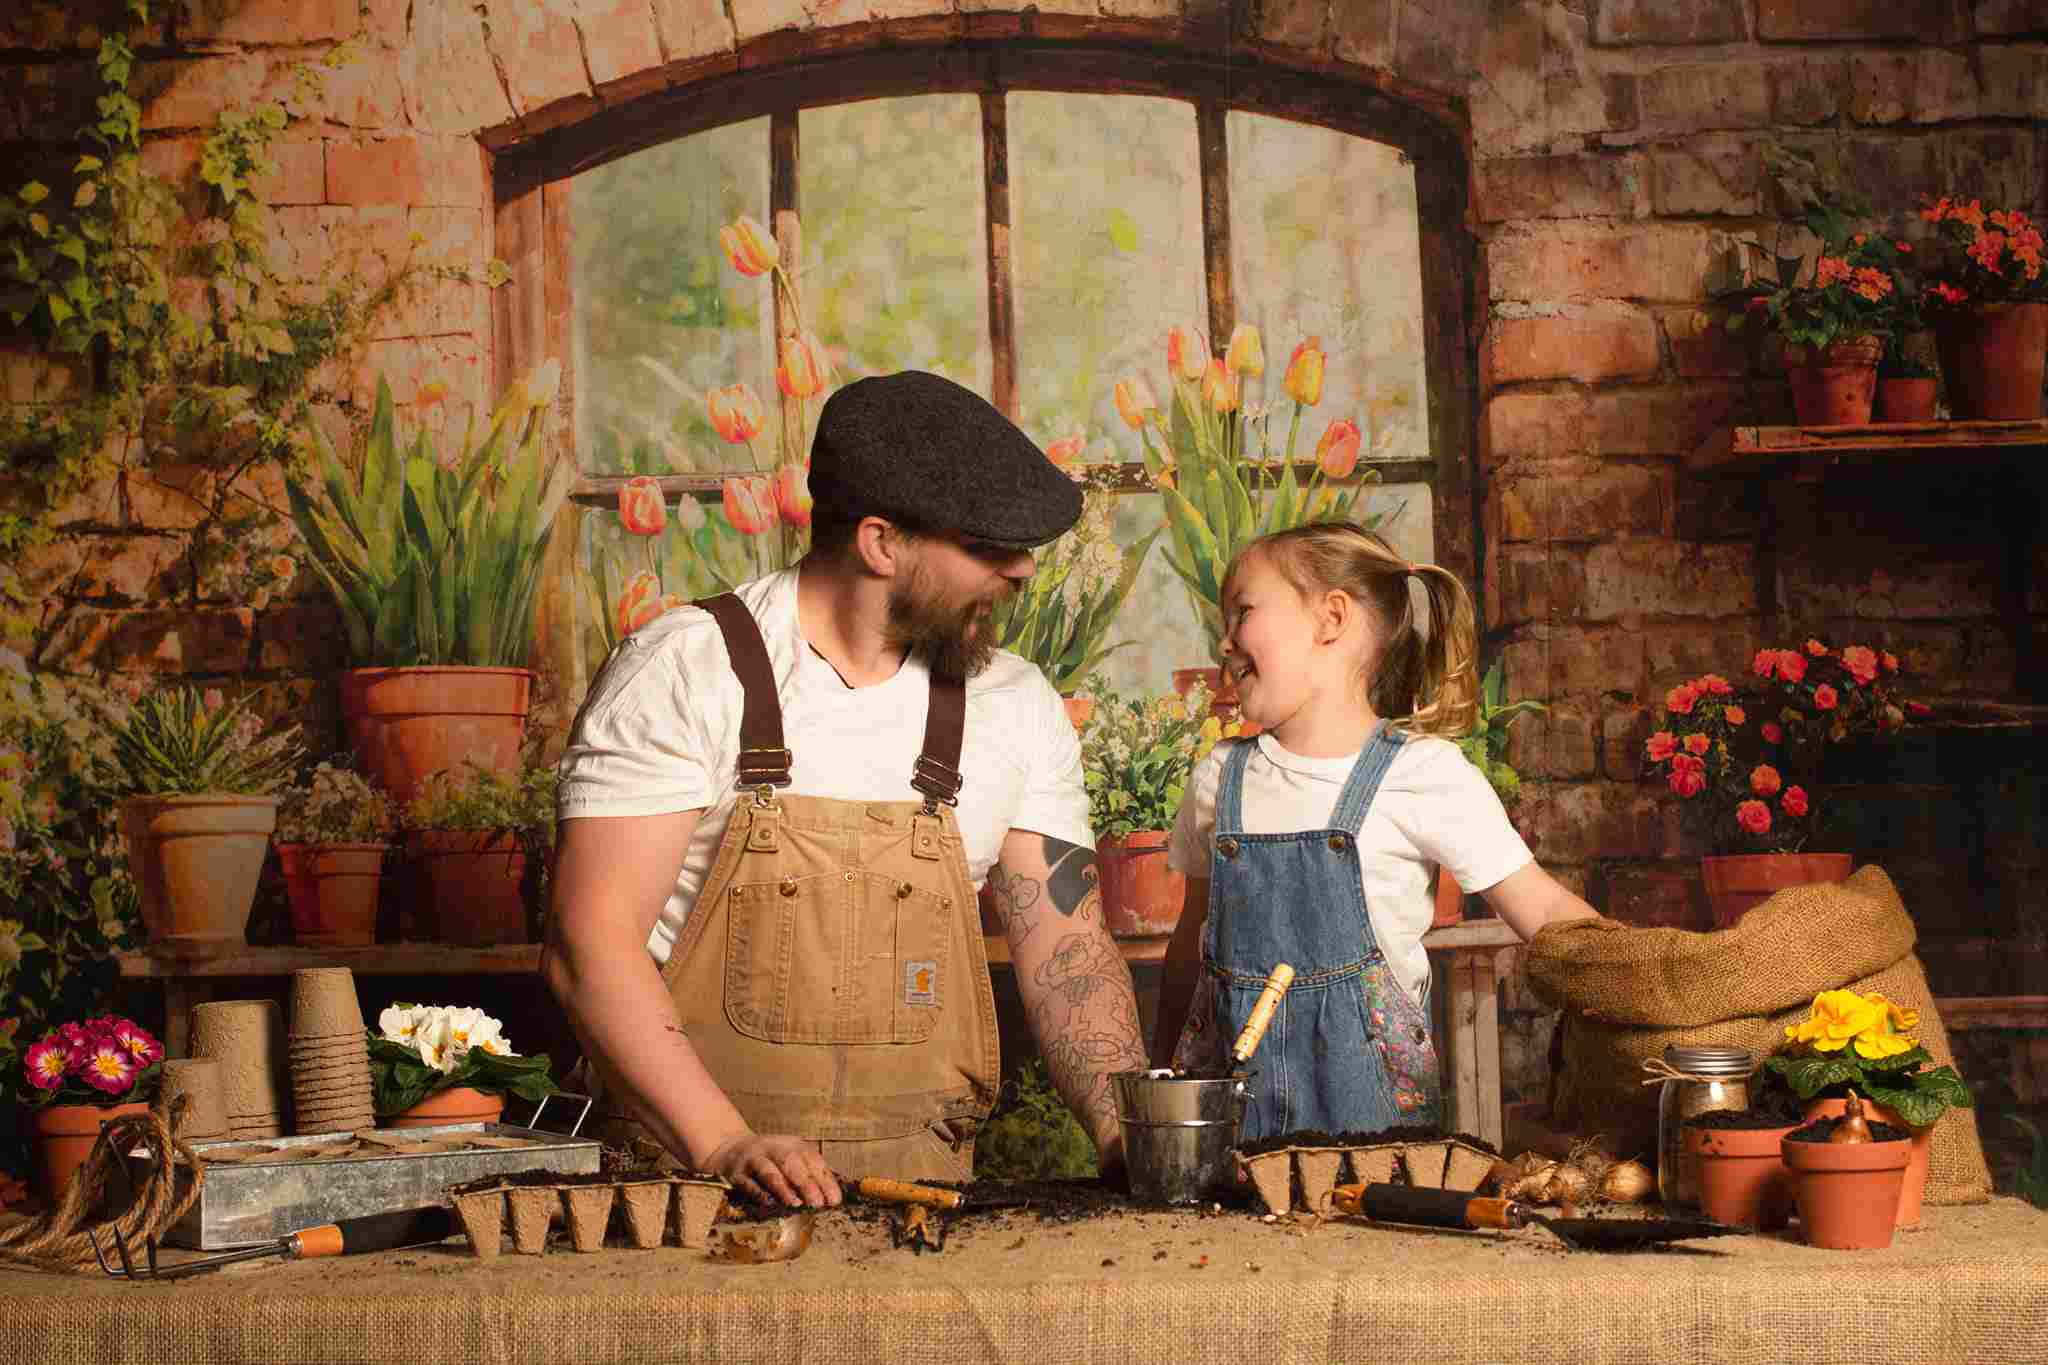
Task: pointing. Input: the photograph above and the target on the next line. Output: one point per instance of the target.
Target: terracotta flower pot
(1992, 357)
(1078, 709)
(405, 723)
(1737, 883)
(196, 861)
(1906, 400)
(1848, 1192)
(1834, 385)
(1450, 900)
(1141, 896)
(456, 1104)
(62, 1136)
(1915, 1184)
(1741, 1174)
(1223, 703)
(470, 882)
(333, 891)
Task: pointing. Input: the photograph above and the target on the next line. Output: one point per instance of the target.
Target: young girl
(1316, 843)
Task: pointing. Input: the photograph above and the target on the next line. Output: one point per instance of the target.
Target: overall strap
(937, 770)
(1230, 788)
(1364, 783)
(764, 762)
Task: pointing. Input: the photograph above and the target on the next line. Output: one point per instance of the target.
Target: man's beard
(936, 630)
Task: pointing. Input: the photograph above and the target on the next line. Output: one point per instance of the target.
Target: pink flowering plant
(1983, 256)
(1744, 757)
(107, 1060)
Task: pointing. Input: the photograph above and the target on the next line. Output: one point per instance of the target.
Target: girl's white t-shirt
(659, 733)
(1432, 808)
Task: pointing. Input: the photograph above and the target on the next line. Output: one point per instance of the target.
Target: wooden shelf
(1973, 713)
(1739, 448)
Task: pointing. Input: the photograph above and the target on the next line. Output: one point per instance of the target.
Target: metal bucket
(1178, 1134)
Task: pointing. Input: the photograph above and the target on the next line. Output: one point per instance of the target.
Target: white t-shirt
(1433, 807)
(660, 733)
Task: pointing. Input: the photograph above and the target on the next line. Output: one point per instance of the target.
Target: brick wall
(1616, 150)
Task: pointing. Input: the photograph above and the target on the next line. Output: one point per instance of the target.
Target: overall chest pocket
(836, 957)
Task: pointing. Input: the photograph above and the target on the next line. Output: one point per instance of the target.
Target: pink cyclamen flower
(46, 1064)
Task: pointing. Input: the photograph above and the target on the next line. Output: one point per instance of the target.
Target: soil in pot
(1848, 1192)
(1739, 1168)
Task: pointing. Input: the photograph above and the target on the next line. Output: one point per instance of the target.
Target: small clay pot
(1848, 1192)
(62, 1137)
(1914, 1186)
(1741, 1174)
(456, 1104)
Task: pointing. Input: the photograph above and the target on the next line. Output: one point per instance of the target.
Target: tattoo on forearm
(1086, 1022)
(1071, 874)
(1014, 897)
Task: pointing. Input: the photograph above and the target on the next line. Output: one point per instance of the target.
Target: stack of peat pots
(246, 1039)
(330, 1053)
(200, 1083)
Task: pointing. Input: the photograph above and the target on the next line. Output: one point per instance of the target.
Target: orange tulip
(1066, 450)
(638, 604)
(750, 503)
(1304, 380)
(801, 371)
(1133, 400)
(749, 246)
(642, 506)
(1219, 387)
(1187, 353)
(1246, 353)
(793, 494)
(1337, 452)
(735, 413)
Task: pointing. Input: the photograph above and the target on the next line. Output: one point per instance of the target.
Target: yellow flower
(1246, 353)
(1877, 1044)
(1837, 1017)
(1177, 708)
(1899, 1018)
(1212, 729)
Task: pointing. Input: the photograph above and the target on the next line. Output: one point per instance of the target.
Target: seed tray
(253, 1200)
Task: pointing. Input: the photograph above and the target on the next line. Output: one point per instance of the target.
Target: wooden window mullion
(1211, 147)
(787, 226)
(1002, 322)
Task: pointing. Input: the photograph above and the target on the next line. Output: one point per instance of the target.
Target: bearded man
(775, 808)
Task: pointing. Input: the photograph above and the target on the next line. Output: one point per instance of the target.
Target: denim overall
(1348, 1049)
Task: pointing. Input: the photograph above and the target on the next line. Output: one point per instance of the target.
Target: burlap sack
(1628, 993)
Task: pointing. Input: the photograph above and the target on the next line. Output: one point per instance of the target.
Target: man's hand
(776, 1166)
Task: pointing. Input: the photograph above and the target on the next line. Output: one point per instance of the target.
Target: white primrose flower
(398, 1023)
(432, 1041)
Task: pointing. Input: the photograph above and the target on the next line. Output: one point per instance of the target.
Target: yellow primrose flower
(1878, 1044)
(1837, 1017)
(1899, 1018)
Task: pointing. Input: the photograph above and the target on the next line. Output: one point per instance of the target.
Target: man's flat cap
(922, 451)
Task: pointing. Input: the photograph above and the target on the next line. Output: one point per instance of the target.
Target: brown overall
(831, 973)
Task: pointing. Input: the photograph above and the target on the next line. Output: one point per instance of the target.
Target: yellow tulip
(1219, 387)
(1133, 400)
(1304, 382)
(1246, 354)
(801, 373)
(749, 246)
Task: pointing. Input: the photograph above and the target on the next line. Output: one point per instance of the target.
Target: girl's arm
(1528, 900)
(1181, 971)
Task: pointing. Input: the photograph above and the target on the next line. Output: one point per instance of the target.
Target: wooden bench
(1479, 953)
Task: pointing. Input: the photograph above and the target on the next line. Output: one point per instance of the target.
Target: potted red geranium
(1745, 759)
(82, 1076)
(1989, 306)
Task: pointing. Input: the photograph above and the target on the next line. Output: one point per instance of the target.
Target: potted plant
(436, 565)
(195, 775)
(1906, 386)
(1989, 306)
(1222, 480)
(1136, 754)
(333, 830)
(475, 839)
(1745, 760)
(81, 1076)
(1851, 1041)
(1486, 749)
(1059, 617)
(1738, 1158)
(441, 1064)
(1848, 1172)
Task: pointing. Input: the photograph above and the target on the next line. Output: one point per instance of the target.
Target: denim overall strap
(1348, 1049)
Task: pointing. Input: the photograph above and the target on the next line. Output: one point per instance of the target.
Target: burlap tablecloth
(1970, 1284)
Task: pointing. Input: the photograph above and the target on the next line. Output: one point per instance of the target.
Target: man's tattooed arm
(1075, 986)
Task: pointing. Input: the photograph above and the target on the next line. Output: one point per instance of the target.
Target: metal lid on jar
(1710, 1059)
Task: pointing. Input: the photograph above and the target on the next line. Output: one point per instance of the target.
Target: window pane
(661, 318)
(1324, 242)
(1106, 205)
(895, 258)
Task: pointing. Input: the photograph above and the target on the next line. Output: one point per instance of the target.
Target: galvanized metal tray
(247, 1203)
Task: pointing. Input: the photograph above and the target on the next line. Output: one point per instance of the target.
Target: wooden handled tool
(1455, 1209)
(1262, 1014)
(903, 1192)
